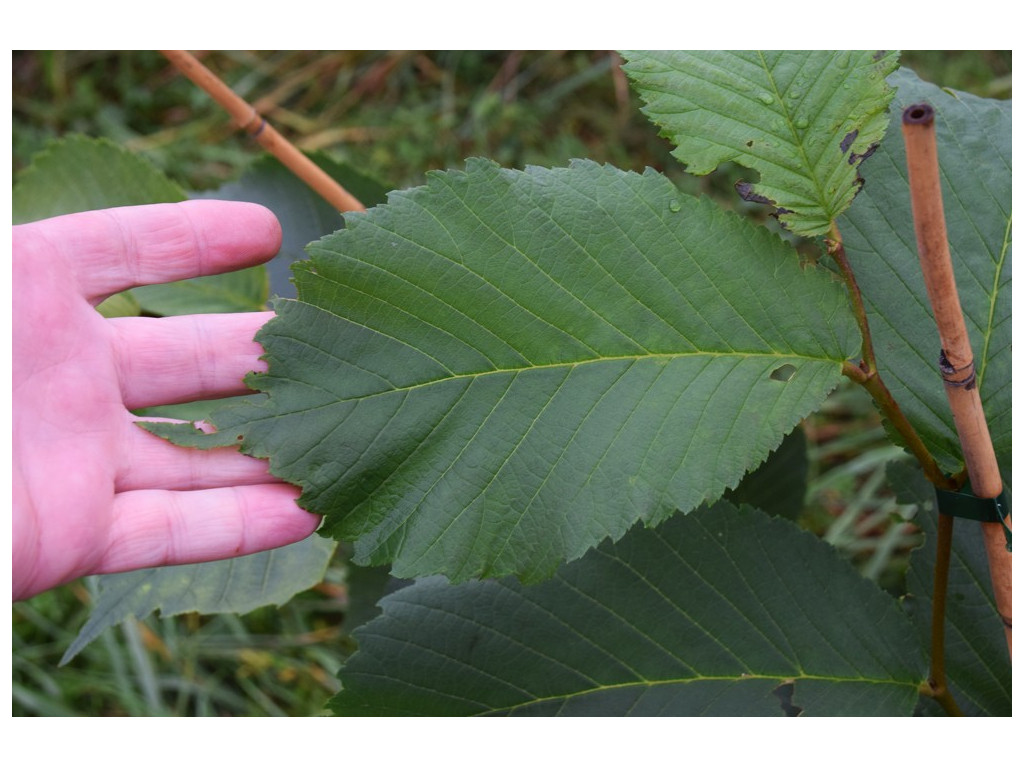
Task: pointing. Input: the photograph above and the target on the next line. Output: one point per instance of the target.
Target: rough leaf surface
(802, 119)
(493, 373)
(721, 612)
(974, 147)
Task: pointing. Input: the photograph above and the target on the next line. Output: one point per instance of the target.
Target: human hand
(93, 492)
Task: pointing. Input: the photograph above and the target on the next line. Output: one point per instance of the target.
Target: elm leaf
(237, 585)
(977, 662)
(803, 119)
(495, 372)
(724, 611)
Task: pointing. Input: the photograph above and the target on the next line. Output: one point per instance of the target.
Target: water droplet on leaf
(766, 98)
(675, 206)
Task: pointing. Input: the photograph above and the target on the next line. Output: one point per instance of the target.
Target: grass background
(394, 116)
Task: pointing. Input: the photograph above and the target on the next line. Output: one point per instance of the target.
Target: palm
(93, 492)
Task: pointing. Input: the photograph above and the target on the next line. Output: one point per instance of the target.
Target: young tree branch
(956, 360)
(246, 117)
(866, 374)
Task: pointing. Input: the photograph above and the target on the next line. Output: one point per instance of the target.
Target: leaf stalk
(936, 686)
(867, 375)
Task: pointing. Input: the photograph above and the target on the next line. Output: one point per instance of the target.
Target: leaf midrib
(781, 357)
(780, 678)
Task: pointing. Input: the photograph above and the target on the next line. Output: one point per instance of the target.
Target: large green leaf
(721, 612)
(78, 174)
(802, 119)
(973, 137)
(238, 585)
(495, 372)
(977, 660)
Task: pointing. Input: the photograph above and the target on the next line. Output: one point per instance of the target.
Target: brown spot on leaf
(848, 140)
(856, 158)
(746, 191)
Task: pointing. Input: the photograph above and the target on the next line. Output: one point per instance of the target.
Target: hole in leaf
(784, 693)
(783, 373)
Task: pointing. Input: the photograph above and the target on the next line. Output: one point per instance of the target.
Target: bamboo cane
(246, 117)
(956, 361)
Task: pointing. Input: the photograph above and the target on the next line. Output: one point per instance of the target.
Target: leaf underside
(495, 372)
(802, 119)
(721, 612)
(238, 585)
(973, 136)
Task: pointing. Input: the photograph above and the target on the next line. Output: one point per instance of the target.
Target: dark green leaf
(239, 585)
(720, 612)
(778, 486)
(495, 372)
(977, 660)
(973, 137)
(77, 174)
(802, 119)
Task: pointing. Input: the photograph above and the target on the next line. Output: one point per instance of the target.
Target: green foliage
(721, 612)
(559, 370)
(239, 585)
(803, 119)
(304, 215)
(779, 486)
(491, 374)
(80, 174)
(89, 174)
(973, 137)
(977, 659)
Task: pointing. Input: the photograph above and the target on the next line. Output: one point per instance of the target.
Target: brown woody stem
(936, 686)
(866, 374)
(890, 409)
(956, 360)
(246, 117)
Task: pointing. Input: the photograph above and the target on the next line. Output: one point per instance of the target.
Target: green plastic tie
(966, 505)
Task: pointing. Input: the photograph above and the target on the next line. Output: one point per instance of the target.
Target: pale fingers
(157, 528)
(110, 250)
(192, 357)
(146, 461)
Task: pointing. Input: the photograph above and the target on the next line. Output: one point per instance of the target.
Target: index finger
(118, 248)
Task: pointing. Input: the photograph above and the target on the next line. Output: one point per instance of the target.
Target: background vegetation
(394, 116)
